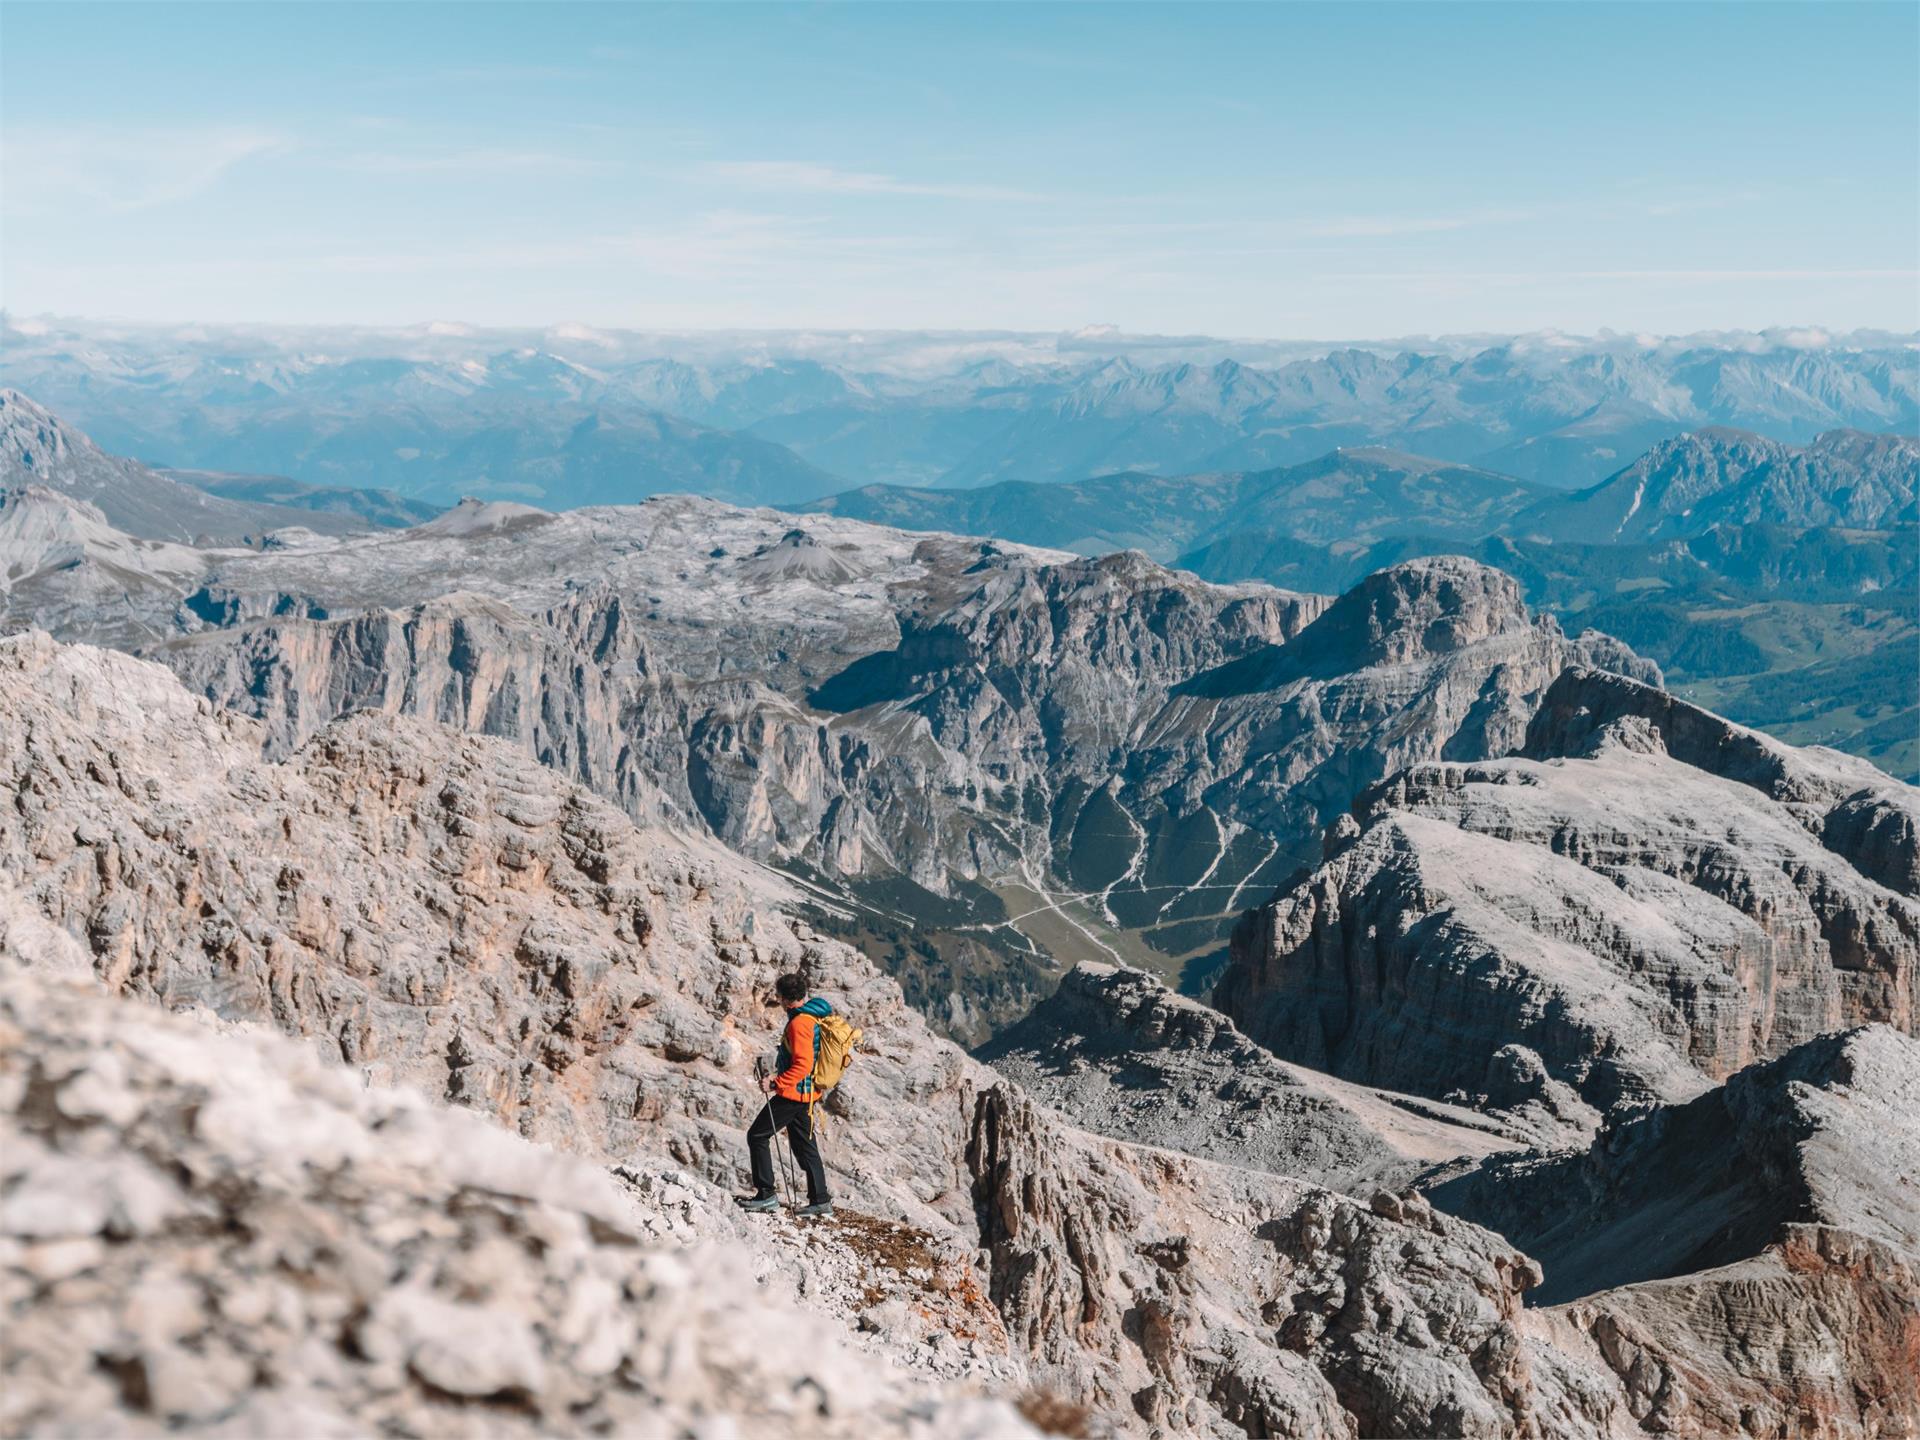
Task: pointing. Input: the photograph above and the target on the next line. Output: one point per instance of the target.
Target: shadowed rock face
(1122, 1055)
(1646, 918)
(1822, 1136)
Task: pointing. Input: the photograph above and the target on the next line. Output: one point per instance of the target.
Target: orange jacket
(795, 1078)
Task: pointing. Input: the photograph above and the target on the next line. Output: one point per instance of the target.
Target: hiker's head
(791, 988)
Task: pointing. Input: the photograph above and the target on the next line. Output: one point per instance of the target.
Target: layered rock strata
(1647, 897)
(438, 910)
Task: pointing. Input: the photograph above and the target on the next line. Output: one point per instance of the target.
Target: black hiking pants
(780, 1113)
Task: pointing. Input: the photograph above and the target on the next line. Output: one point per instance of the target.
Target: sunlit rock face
(994, 760)
(434, 909)
(1646, 896)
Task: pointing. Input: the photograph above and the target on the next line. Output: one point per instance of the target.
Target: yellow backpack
(833, 1041)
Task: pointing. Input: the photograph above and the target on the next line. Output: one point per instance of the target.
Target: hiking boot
(757, 1202)
(811, 1212)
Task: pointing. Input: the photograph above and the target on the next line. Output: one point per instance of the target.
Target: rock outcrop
(438, 910)
(206, 1229)
(63, 567)
(1858, 811)
(1648, 898)
(1814, 1336)
(1120, 1054)
(1745, 1262)
(1196, 1294)
(1824, 1135)
(1025, 757)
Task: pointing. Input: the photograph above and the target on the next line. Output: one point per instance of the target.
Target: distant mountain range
(37, 449)
(573, 416)
(1347, 498)
(1775, 582)
(1683, 486)
(1687, 484)
(380, 508)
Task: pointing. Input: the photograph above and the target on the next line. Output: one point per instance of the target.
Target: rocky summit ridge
(261, 1240)
(1645, 896)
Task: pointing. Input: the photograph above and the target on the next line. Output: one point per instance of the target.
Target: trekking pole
(761, 1071)
(815, 1132)
(786, 1173)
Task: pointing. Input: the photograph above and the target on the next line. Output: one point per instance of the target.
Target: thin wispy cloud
(1386, 227)
(1141, 165)
(469, 160)
(1528, 276)
(719, 243)
(115, 171)
(804, 176)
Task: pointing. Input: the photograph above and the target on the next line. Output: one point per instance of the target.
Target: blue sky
(1279, 171)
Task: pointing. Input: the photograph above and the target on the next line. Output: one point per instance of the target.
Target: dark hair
(791, 987)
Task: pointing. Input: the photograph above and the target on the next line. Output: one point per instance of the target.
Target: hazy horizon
(1787, 334)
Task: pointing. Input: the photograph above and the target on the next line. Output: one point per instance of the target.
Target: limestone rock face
(62, 566)
(1121, 1055)
(205, 1229)
(1176, 1288)
(1032, 756)
(1745, 1262)
(1417, 611)
(436, 909)
(1858, 811)
(1824, 1135)
(1814, 1336)
(1647, 898)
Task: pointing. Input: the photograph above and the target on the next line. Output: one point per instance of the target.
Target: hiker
(814, 1050)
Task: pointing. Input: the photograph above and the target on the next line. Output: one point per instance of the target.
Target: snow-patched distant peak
(42, 529)
(575, 333)
(478, 517)
(33, 440)
(47, 510)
